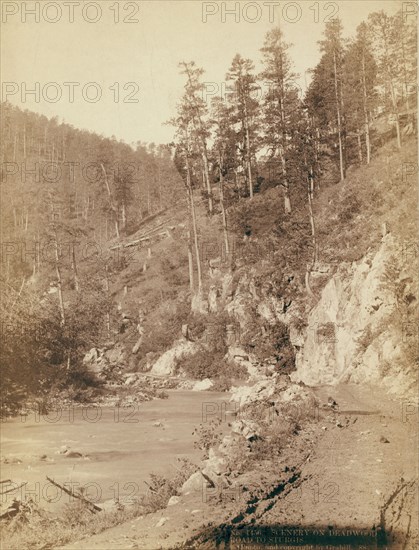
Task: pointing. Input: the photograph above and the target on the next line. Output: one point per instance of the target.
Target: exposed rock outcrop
(357, 332)
(166, 363)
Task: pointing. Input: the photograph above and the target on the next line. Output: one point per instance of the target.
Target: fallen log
(92, 507)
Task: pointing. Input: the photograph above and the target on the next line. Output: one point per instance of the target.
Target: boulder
(295, 392)
(246, 428)
(194, 484)
(91, 356)
(265, 388)
(73, 454)
(115, 355)
(166, 363)
(215, 465)
(203, 385)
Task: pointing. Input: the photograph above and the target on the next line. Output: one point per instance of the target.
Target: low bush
(207, 435)
(207, 364)
(161, 488)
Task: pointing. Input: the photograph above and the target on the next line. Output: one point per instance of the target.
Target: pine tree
(384, 29)
(333, 56)
(245, 112)
(281, 104)
(223, 152)
(198, 111)
(360, 84)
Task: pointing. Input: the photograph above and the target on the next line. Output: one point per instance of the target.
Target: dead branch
(92, 507)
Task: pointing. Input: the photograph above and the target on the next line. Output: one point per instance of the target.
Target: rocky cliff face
(363, 327)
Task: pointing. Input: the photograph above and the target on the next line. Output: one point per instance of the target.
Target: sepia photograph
(209, 275)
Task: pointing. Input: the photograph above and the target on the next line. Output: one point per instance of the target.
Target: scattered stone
(246, 428)
(161, 522)
(130, 380)
(11, 460)
(173, 500)
(109, 505)
(73, 454)
(196, 512)
(384, 439)
(332, 404)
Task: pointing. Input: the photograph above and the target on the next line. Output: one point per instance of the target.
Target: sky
(112, 66)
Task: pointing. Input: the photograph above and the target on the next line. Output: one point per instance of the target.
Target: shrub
(163, 327)
(203, 364)
(161, 488)
(271, 341)
(208, 435)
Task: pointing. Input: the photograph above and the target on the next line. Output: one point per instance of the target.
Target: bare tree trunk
(223, 211)
(359, 146)
(194, 224)
(74, 268)
(313, 234)
(24, 142)
(124, 215)
(148, 199)
(14, 148)
(108, 315)
(207, 179)
(338, 114)
(366, 116)
(160, 189)
(396, 114)
(38, 256)
(248, 154)
(114, 210)
(190, 263)
(287, 200)
(59, 279)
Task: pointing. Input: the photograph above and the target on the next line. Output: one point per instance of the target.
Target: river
(119, 447)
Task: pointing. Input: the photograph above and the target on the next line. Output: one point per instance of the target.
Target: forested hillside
(67, 197)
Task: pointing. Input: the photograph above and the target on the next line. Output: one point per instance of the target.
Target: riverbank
(352, 475)
(349, 470)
